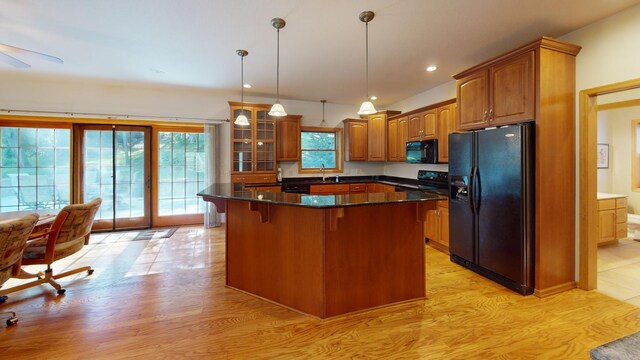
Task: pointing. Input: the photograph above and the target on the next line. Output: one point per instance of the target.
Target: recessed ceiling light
(373, 98)
(247, 86)
(431, 68)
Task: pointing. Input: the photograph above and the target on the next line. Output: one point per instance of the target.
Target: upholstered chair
(68, 233)
(13, 239)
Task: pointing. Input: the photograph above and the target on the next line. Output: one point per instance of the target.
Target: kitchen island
(325, 255)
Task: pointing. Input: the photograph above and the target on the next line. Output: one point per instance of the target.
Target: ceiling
(322, 48)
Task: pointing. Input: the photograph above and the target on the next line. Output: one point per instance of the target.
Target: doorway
(114, 162)
(588, 179)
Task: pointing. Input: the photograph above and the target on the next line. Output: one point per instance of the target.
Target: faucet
(322, 171)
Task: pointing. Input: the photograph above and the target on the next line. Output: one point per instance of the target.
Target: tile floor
(619, 270)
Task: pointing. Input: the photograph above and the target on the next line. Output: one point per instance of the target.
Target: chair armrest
(39, 234)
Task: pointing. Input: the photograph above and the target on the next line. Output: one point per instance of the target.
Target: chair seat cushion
(36, 248)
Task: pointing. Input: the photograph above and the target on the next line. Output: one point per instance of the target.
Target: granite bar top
(225, 191)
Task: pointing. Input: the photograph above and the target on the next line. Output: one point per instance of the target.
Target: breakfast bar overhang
(325, 255)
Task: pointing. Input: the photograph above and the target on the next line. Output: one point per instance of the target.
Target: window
(318, 147)
(181, 172)
(34, 168)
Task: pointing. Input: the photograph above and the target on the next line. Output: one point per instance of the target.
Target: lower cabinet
(329, 189)
(380, 188)
(340, 189)
(436, 226)
(612, 220)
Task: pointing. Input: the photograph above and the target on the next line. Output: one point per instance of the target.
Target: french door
(113, 162)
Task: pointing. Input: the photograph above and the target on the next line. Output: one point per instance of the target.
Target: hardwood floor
(165, 298)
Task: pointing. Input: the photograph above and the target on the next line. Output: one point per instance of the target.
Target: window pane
(29, 174)
(180, 157)
(318, 140)
(314, 159)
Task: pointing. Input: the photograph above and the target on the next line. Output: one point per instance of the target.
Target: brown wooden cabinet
(436, 226)
(380, 188)
(500, 94)
(612, 219)
(356, 139)
(392, 140)
(357, 188)
(397, 134)
(423, 125)
(403, 137)
(288, 131)
(377, 135)
(446, 125)
(329, 189)
(535, 82)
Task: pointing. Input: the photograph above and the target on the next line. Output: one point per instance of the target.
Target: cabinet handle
(486, 116)
(490, 114)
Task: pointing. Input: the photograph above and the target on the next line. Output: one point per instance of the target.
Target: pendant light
(323, 123)
(242, 120)
(367, 107)
(277, 109)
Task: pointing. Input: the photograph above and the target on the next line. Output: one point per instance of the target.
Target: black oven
(422, 152)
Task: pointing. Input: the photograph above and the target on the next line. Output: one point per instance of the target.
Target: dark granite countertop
(225, 191)
(383, 179)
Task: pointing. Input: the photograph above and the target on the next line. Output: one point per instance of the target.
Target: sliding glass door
(113, 162)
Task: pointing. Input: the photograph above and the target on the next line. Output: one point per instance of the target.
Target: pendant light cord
(278, 68)
(366, 27)
(242, 83)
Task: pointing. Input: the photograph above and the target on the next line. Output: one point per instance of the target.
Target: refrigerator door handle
(470, 189)
(476, 189)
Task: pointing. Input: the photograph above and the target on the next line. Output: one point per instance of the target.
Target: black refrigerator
(491, 203)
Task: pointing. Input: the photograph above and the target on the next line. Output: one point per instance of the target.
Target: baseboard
(554, 289)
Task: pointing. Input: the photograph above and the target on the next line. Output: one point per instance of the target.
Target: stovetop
(433, 181)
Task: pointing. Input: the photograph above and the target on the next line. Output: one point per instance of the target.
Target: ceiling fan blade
(17, 50)
(13, 61)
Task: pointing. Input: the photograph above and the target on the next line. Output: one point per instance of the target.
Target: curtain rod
(113, 116)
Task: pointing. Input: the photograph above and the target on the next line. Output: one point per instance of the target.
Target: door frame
(588, 216)
(78, 177)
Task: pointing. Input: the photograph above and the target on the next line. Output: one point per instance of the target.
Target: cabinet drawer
(443, 203)
(621, 203)
(621, 231)
(254, 178)
(357, 188)
(607, 204)
(330, 189)
(621, 216)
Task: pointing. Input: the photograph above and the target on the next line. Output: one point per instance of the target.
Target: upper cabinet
(288, 130)
(446, 125)
(423, 125)
(377, 127)
(356, 139)
(397, 135)
(499, 94)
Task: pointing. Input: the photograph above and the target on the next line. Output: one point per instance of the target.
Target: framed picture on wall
(603, 156)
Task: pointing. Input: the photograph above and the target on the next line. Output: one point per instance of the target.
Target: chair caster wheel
(61, 291)
(3, 299)
(90, 271)
(12, 321)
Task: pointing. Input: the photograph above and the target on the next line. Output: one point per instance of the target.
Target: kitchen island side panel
(279, 259)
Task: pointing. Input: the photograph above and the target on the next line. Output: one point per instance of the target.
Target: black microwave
(422, 152)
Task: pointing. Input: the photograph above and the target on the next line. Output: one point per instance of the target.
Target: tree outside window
(318, 147)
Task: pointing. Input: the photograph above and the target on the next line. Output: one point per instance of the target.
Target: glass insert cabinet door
(114, 164)
(253, 146)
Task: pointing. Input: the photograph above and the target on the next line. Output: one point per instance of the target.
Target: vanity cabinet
(612, 218)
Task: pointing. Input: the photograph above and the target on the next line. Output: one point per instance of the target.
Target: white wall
(604, 137)
(610, 49)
